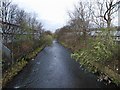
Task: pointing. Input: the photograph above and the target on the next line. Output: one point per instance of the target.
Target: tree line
(18, 21)
(22, 32)
(89, 33)
(92, 15)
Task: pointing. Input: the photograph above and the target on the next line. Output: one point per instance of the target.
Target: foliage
(47, 39)
(19, 65)
(98, 50)
(21, 31)
(34, 53)
(12, 71)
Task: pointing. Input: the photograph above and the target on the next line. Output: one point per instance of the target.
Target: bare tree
(111, 9)
(39, 28)
(19, 26)
(97, 11)
(106, 10)
(81, 17)
(5, 13)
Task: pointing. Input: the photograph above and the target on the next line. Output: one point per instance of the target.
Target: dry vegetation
(93, 52)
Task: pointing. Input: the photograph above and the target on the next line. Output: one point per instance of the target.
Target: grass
(18, 66)
(115, 77)
(21, 63)
(13, 71)
(101, 68)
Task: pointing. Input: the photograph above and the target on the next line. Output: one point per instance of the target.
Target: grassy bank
(18, 66)
(93, 65)
(24, 60)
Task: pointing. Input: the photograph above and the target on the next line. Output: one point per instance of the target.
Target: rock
(33, 59)
(101, 79)
(98, 80)
(106, 78)
(17, 87)
(106, 84)
(117, 69)
(109, 81)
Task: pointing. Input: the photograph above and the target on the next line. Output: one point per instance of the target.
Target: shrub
(47, 39)
(99, 50)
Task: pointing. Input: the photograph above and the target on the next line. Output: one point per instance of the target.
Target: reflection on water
(54, 41)
(38, 62)
(16, 87)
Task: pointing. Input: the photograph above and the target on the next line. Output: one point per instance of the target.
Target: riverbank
(54, 68)
(19, 66)
(104, 73)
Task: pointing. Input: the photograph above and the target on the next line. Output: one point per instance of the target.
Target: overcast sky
(52, 13)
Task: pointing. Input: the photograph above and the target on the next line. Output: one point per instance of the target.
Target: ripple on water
(38, 63)
(17, 87)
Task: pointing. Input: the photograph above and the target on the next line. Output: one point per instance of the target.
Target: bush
(98, 50)
(47, 39)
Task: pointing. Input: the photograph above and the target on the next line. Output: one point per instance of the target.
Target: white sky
(52, 13)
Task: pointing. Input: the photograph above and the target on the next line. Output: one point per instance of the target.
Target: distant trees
(98, 54)
(19, 26)
(95, 18)
(23, 22)
(80, 18)
(86, 16)
(91, 14)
